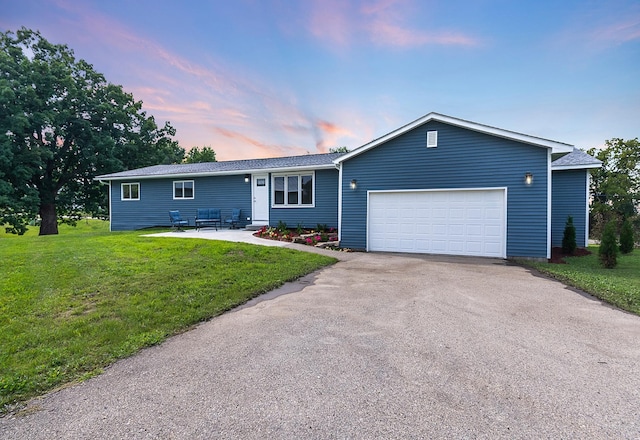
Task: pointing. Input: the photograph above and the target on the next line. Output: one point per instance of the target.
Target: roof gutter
(575, 167)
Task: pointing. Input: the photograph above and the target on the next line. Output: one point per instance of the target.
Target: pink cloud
(598, 27)
(388, 34)
(334, 129)
(329, 134)
(620, 32)
(296, 129)
(383, 23)
(262, 149)
(330, 21)
(378, 7)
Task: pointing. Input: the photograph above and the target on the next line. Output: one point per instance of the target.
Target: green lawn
(73, 303)
(619, 286)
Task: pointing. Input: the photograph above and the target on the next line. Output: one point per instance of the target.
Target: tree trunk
(48, 219)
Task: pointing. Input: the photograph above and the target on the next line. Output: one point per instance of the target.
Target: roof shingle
(576, 159)
(309, 160)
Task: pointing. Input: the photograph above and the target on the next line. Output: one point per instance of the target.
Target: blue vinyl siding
(569, 198)
(156, 200)
(462, 159)
(325, 210)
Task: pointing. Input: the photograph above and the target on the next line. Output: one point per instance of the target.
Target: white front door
(260, 191)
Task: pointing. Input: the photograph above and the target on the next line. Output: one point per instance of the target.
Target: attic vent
(432, 139)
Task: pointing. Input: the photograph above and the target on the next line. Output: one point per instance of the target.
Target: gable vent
(432, 139)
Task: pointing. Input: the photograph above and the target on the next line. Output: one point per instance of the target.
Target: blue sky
(269, 78)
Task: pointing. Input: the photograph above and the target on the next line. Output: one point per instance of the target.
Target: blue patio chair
(177, 222)
(234, 219)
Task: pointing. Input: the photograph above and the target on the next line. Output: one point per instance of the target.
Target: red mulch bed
(557, 256)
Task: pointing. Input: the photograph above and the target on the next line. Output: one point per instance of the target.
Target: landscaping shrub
(627, 240)
(569, 238)
(608, 253)
(282, 227)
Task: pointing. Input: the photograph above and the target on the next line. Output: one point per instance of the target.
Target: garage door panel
(493, 248)
(493, 213)
(474, 213)
(439, 229)
(455, 230)
(406, 245)
(439, 246)
(456, 213)
(458, 222)
(492, 231)
(439, 213)
(475, 230)
(474, 247)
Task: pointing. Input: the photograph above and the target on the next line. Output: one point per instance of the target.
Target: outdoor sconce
(528, 178)
(246, 178)
(354, 183)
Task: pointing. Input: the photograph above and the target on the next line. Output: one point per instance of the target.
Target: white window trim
(299, 175)
(173, 189)
(130, 199)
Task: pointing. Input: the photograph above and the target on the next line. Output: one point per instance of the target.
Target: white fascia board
(575, 167)
(556, 147)
(330, 166)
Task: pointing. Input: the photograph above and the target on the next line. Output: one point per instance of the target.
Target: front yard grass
(619, 286)
(72, 304)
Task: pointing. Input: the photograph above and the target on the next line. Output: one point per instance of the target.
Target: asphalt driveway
(378, 346)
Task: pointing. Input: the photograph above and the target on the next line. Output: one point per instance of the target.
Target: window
(432, 139)
(293, 190)
(130, 191)
(183, 189)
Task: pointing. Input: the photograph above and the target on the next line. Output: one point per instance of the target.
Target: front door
(261, 199)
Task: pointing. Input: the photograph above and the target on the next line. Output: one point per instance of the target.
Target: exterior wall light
(354, 183)
(247, 177)
(528, 178)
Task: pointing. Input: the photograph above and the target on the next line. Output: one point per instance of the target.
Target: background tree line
(615, 188)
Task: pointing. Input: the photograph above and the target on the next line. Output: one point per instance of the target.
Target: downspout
(586, 218)
(549, 191)
(339, 167)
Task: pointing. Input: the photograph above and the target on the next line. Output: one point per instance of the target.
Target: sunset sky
(269, 78)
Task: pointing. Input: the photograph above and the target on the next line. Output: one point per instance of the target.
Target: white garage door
(454, 222)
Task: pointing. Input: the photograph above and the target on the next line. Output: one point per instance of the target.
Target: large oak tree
(61, 124)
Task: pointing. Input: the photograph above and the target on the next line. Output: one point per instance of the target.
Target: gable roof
(575, 160)
(556, 147)
(276, 164)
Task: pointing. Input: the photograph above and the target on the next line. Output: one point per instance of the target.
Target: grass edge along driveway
(619, 286)
(74, 303)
